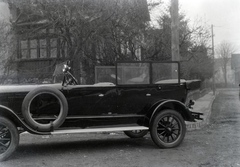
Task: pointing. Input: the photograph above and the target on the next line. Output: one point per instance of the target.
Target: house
(42, 40)
(235, 66)
(219, 73)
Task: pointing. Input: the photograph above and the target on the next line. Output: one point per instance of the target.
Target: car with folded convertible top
(134, 97)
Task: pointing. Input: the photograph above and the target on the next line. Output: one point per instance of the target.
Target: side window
(163, 73)
(105, 74)
(133, 73)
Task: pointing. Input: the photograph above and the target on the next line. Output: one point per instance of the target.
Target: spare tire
(45, 127)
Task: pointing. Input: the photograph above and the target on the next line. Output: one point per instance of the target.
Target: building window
(24, 49)
(47, 46)
(43, 48)
(63, 48)
(33, 49)
(53, 47)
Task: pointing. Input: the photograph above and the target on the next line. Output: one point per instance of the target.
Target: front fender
(174, 105)
(8, 113)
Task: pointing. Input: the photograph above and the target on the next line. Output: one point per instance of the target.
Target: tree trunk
(76, 68)
(225, 75)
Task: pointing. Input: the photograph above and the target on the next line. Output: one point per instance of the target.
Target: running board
(88, 130)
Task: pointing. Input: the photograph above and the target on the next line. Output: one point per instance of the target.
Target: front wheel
(9, 138)
(168, 129)
(136, 133)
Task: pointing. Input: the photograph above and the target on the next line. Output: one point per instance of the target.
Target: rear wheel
(9, 138)
(136, 133)
(168, 129)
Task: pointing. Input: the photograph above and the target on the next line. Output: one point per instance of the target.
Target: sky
(224, 15)
(4, 11)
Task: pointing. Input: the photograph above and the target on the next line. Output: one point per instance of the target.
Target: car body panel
(129, 101)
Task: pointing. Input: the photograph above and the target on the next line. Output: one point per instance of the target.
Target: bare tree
(91, 31)
(3, 40)
(224, 51)
(6, 48)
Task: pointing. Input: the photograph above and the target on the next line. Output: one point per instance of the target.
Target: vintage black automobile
(134, 97)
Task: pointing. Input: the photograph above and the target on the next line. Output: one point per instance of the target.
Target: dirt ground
(215, 145)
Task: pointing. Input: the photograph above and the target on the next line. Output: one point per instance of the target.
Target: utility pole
(175, 30)
(175, 37)
(213, 86)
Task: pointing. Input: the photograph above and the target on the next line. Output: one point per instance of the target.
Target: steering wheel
(69, 79)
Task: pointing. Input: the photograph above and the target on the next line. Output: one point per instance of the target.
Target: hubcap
(168, 129)
(5, 138)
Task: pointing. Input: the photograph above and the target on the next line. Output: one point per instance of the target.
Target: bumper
(196, 115)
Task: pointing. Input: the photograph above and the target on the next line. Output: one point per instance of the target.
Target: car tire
(9, 138)
(136, 133)
(40, 126)
(168, 129)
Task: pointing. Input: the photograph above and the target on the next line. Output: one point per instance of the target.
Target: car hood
(24, 88)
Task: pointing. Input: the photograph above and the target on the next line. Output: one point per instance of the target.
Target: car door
(165, 77)
(91, 100)
(144, 83)
(132, 99)
(134, 90)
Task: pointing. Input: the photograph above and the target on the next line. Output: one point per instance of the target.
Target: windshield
(58, 72)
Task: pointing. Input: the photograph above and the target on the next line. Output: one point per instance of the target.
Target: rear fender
(8, 113)
(174, 105)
